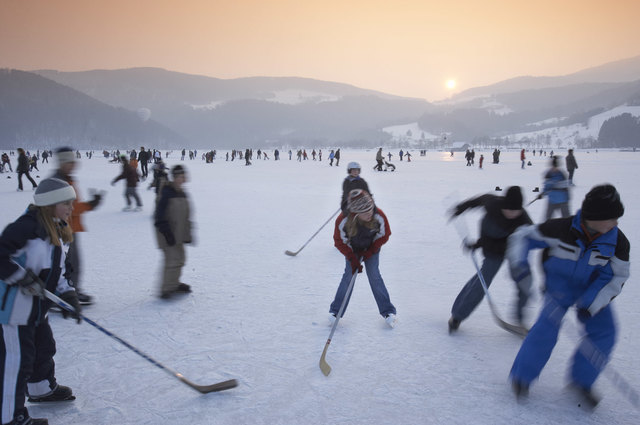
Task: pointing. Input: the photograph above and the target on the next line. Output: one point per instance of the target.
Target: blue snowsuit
(581, 270)
(556, 187)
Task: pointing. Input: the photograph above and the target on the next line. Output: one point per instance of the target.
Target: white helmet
(353, 165)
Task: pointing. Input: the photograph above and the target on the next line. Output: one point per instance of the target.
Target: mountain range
(164, 109)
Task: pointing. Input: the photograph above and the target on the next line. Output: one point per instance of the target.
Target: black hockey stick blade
(291, 254)
(205, 389)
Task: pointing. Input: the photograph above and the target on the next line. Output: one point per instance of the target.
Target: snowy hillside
(568, 134)
(261, 317)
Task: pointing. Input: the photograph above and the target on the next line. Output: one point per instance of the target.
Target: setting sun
(451, 84)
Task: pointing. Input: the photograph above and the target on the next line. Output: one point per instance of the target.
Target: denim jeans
(375, 281)
(472, 293)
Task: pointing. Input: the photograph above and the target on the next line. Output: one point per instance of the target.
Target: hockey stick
(293, 254)
(461, 227)
(204, 389)
(515, 329)
(324, 366)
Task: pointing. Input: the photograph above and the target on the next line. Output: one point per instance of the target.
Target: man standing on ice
(173, 230)
(586, 264)
(503, 216)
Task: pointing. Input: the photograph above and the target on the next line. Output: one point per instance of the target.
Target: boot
(60, 393)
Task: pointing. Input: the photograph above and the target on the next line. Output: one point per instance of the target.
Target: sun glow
(451, 84)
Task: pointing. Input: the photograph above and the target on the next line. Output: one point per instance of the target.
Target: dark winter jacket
(25, 244)
(144, 156)
(367, 241)
(571, 162)
(350, 183)
(23, 164)
(172, 217)
(495, 228)
(587, 272)
(130, 174)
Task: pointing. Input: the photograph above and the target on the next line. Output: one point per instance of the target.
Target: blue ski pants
(590, 357)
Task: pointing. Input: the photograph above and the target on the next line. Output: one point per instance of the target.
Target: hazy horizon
(408, 48)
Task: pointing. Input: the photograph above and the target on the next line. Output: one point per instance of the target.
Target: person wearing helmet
(351, 182)
(586, 263)
(359, 235)
(32, 258)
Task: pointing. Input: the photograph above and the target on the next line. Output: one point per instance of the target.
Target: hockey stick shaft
(200, 388)
(461, 227)
(293, 254)
(324, 366)
(518, 330)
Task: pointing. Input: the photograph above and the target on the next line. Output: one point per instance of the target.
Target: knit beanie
(53, 191)
(513, 199)
(64, 155)
(177, 170)
(359, 201)
(602, 203)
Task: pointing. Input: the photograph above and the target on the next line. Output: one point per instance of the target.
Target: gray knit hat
(53, 191)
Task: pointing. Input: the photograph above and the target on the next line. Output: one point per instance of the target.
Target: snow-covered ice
(261, 317)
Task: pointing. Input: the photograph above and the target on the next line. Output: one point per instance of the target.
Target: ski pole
(324, 366)
(204, 389)
(293, 254)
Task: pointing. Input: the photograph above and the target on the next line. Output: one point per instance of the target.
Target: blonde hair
(352, 224)
(56, 229)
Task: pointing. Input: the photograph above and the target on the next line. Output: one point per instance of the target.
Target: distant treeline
(620, 131)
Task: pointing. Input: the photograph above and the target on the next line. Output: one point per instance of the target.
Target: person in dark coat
(143, 158)
(503, 216)
(586, 264)
(23, 169)
(131, 176)
(572, 165)
(351, 182)
(172, 220)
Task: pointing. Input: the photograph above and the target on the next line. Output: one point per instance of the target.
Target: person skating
(131, 176)
(359, 237)
(556, 189)
(503, 215)
(586, 263)
(23, 169)
(351, 182)
(173, 231)
(143, 158)
(379, 160)
(32, 257)
(572, 165)
(66, 161)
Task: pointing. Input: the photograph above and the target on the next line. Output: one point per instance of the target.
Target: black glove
(70, 297)
(469, 246)
(583, 315)
(171, 240)
(457, 210)
(95, 201)
(31, 284)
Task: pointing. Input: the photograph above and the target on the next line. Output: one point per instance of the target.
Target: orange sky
(403, 47)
